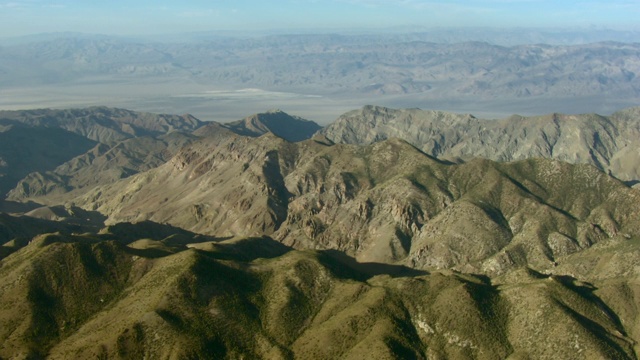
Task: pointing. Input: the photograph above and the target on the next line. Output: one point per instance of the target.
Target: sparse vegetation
(243, 247)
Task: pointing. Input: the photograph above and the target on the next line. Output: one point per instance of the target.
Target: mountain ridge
(291, 128)
(308, 70)
(607, 142)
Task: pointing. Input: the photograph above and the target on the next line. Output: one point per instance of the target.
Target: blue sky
(22, 17)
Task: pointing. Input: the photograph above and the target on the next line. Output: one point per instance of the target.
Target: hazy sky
(21, 17)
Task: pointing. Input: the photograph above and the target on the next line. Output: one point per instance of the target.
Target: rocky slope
(101, 295)
(257, 247)
(386, 202)
(103, 164)
(607, 142)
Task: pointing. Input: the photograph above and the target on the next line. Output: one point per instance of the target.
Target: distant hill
(451, 71)
(607, 142)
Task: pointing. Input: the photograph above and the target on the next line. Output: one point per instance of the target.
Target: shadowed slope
(290, 128)
(24, 150)
(103, 124)
(101, 165)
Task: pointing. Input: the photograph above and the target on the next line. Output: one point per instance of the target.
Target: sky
(119, 17)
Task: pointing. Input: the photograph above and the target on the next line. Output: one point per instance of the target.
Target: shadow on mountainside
(587, 291)
(249, 249)
(127, 232)
(15, 207)
(631, 183)
(69, 214)
(344, 266)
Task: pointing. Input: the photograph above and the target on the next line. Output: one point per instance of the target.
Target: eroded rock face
(607, 142)
(387, 201)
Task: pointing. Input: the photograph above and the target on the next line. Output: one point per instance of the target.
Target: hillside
(103, 164)
(99, 295)
(103, 124)
(36, 142)
(24, 150)
(228, 241)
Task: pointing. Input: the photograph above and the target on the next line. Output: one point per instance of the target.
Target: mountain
(290, 128)
(338, 64)
(103, 164)
(386, 202)
(318, 71)
(98, 295)
(212, 244)
(607, 142)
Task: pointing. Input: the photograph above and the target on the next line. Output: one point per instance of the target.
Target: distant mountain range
(402, 70)
(389, 233)
(332, 64)
(497, 36)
